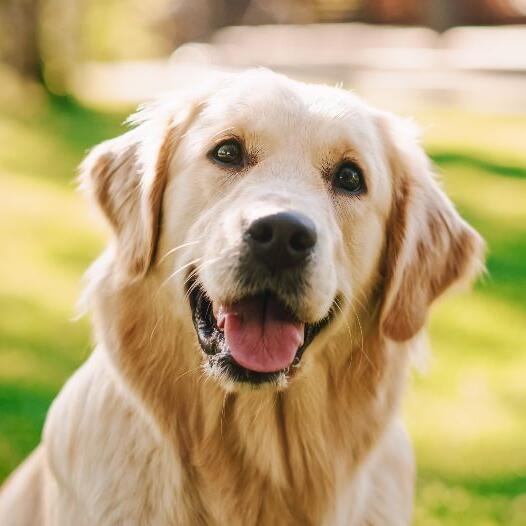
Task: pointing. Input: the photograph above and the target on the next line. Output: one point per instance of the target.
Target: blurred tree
(60, 38)
(282, 12)
(442, 15)
(391, 11)
(195, 20)
(45, 40)
(19, 28)
(39, 40)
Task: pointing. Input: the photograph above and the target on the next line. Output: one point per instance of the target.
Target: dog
(275, 249)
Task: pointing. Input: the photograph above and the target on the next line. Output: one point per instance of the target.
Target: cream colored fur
(145, 433)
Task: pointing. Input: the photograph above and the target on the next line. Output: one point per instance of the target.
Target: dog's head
(270, 212)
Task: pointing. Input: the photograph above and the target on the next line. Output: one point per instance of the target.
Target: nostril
(261, 232)
(302, 240)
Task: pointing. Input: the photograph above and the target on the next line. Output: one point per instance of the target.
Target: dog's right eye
(228, 152)
(349, 177)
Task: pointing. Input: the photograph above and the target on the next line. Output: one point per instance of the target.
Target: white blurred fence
(480, 68)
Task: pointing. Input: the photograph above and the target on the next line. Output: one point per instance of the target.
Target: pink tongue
(260, 334)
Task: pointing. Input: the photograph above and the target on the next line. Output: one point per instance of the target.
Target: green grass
(48, 237)
(467, 414)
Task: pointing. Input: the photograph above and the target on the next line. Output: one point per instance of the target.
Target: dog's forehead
(263, 103)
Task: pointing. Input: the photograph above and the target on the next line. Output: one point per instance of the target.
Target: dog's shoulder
(106, 455)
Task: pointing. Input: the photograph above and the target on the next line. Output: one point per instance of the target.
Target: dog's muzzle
(259, 337)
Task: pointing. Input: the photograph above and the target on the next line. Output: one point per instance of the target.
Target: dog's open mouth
(256, 339)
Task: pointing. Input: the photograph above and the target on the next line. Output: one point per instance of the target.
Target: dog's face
(286, 223)
(272, 212)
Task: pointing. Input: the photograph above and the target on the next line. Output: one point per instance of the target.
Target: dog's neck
(279, 452)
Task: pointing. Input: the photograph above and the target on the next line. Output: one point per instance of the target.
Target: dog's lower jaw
(234, 378)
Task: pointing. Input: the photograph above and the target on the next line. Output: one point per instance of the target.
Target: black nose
(281, 240)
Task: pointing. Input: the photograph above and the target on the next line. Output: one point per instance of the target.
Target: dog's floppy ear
(429, 246)
(126, 177)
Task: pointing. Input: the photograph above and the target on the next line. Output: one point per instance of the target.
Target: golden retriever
(276, 247)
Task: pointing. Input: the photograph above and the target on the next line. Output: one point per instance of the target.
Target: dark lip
(212, 342)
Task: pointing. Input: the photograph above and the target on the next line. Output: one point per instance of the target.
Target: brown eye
(228, 152)
(349, 177)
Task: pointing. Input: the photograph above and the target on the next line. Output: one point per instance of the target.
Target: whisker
(187, 372)
(202, 265)
(349, 332)
(198, 269)
(362, 347)
(180, 269)
(360, 327)
(155, 327)
(195, 271)
(338, 306)
(222, 414)
(175, 249)
(361, 303)
(256, 414)
(191, 289)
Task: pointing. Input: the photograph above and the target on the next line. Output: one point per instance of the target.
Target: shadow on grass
(23, 409)
(497, 486)
(506, 277)
(38, 349)
(464, 500)
(506, 242)
(51, 142)
(78, 127)
(447, 158)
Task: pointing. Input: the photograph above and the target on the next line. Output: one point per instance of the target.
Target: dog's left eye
(349, 177)
(228, 152)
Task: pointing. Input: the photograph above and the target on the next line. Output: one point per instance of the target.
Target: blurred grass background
(467, 414)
